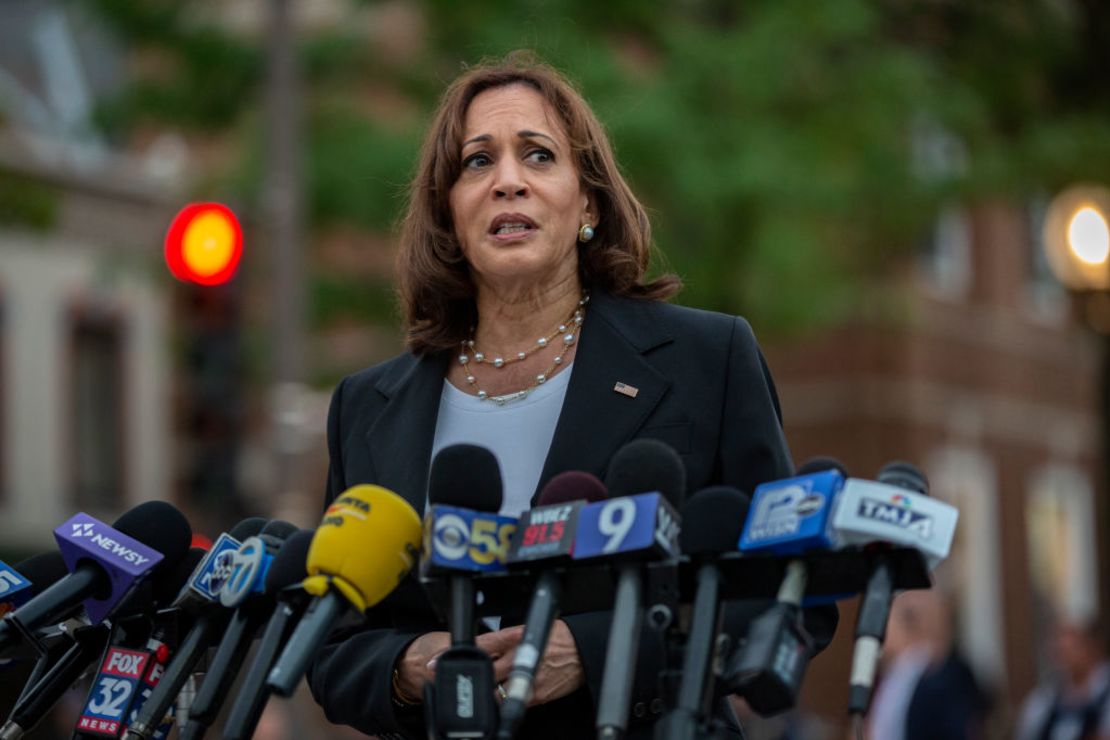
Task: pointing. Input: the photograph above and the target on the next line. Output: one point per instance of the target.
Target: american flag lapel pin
(626, 390)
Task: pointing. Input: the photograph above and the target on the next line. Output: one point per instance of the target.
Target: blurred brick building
(983, 377)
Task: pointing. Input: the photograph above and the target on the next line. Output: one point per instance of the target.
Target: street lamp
(1077, 237)
(1077, 243)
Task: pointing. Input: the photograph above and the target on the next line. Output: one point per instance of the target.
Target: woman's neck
(511, 321)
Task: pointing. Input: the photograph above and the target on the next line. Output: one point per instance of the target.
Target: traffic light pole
(285, 230)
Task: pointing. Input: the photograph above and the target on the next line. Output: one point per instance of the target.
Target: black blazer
(703, 388)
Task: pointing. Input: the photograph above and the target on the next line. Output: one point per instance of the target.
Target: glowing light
(1077, 237)
(1089, 236)
(204, 244)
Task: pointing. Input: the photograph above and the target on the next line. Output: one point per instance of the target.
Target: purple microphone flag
(124, 559)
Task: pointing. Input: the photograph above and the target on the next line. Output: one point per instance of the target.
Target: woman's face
(518, 203)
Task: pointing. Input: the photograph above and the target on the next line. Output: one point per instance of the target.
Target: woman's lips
(513, 236)
(511, 227)
(509, 223)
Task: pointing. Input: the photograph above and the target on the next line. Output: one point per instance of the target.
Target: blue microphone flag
(793, 515)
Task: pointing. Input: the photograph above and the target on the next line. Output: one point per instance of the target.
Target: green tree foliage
(772, 141)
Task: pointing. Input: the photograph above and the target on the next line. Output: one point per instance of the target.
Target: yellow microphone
(366, 544)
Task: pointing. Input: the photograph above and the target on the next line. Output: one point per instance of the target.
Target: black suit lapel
(596, 420)
(400, 440)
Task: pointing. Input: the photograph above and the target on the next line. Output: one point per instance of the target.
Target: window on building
(938, 157)
(1060, 535)
(971, 576)
(944, 255)
(97, 433)
(1046, 298)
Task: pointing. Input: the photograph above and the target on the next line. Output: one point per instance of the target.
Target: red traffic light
(204, 244)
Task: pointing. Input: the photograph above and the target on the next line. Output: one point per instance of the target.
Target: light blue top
(519, 433)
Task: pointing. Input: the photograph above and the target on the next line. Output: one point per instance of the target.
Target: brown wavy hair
(434, 284)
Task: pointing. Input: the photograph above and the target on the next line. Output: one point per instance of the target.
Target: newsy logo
(117, 545)
(124, 559)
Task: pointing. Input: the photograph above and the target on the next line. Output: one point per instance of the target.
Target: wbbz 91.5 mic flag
(545, 539)
(366, 544)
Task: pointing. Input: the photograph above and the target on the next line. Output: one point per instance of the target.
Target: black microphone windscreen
(904, 475)
(572, 485)
(290, 565)
(249, 527)
(161, 526)
(279, 529)
(645, 465)
(42, 570)
(467, 476)
(170, 584)
(821, 464)
(712, 520)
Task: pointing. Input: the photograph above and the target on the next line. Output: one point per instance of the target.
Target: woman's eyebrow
(526, 134)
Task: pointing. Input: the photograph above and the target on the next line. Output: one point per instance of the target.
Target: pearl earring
(585, 233)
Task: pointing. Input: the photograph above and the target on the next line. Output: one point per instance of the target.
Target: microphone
(40, 695)
(630, 527)
(788, 517)
(248, 570)
(105, 564)
(896, 510)
(15, 588)
(88, 642)
(203, 586)
(37, 571)
(712, 522)
(545, 536)
(198, 597)
(463, 532)
(158, 647)
(162, 593)
(40, 571)
(283, 581)
(459, 701)
(366, 544)
(874, 609)
(827, 510)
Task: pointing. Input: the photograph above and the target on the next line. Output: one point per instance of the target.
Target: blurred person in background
(926, 690)
(1074, 704)
(534, 330)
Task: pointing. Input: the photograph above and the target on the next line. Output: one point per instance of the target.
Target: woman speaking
(532, 330)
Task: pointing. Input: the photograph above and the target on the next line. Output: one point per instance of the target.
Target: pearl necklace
(569, 331)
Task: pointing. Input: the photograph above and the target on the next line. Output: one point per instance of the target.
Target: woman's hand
(560, 670)
(416, 666)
